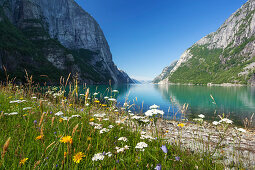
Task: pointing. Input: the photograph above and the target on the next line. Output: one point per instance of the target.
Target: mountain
(165, 73)
(136, 81)
(224, 56)
(52, 38)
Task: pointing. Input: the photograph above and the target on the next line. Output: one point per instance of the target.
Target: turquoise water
(235, 102)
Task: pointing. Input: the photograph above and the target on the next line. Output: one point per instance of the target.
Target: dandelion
(97, 101)
(164, 149)
(39, 137)
(78, 157)
(92, 119)
(25, 115)
(66, 139)
(201, 116)
(98, 156)
(104, 105)
(180, 125)
(23, 161)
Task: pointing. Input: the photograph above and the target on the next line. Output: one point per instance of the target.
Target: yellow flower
(104, 105)
(167, 131)
(180, 125)
(70, 105)
(10, 97)
(97, 101)
(61, 120)
(78, 157)
(23, 161)
(21, 98)
(92, 119)
(25, 115)
(66, 139)
(39, 137)
(89, 138)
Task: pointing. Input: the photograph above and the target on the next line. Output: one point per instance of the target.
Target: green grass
(48, 153)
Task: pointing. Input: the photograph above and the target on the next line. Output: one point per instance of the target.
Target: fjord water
(236, 103)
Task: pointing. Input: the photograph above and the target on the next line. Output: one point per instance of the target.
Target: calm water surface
(235, 102)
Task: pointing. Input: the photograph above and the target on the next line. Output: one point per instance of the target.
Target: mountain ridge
(77, 43)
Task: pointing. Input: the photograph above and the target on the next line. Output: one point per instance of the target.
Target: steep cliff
(224, 56)
(165, 73)
(61, 36)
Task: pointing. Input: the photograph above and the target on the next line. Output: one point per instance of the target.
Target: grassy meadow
(59, 130)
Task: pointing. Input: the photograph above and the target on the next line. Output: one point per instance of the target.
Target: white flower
(109, 154)
(34, 97)
(92, 123)
(112, 99)
(104, 130)
(198, 120)
(125, 105)
(145, 120)
(131, 114)
(226, 121)
(106, 97)
(87, 104)
(110, 126)
(215, 123)
(98, 127)
(136, 117)
(143, 133)
(240, 130)
(129, 111)
(141, 145)
(123, 139)
(98, 156)
(120, 121)
(201, 116)
(27, 108)
(116, 110)
(17, 101)
(75, 116)
(120, 149)
(106, 119)
(82, 94)
(95, 94)
(59, 113)
(65, 118)
(126, 147)
(13, 113)
(154, 112)
(100, 115)
(147, 137)
(154, 107)
(115, 91)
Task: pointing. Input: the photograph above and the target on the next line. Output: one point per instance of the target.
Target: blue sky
(147, 35)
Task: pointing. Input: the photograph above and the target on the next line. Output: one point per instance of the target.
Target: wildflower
(87, 104)
(164, 149)
(154, 112)
(70, 105)
(115, 91)
(158, 167)
(27, 108)
(177, 158)
(59, 113)
(65, 118)
(198, 120)
(33, 97)
(120, 149)
(25, 115)
(13, 113)
(65, 154)
(105, 119)
(225, 120)
(97, 101)
(240, 130)
(201, 116)
(109, 154)
(78, 157)
(89, 138)
(104, 105)
(180, 125)
(215, 123)
(23, 161)
(112, 99)
(146, 137)
(154, 107)
(35, 122)
(61, 120)
(98, 156)
(66, 139)
(75, 116)
(95, 94)
(141, 146)
(92, 119)
(110, 126)
(104, 130)
(39, 137)
(123, 139)
(100, 115)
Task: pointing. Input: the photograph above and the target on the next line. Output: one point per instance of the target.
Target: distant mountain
(136, 81)
(165, 73)
(51, 38)
(224, 56)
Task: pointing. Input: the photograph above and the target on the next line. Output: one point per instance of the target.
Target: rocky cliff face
(165, 73)
(82, 46)
(224, 56)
